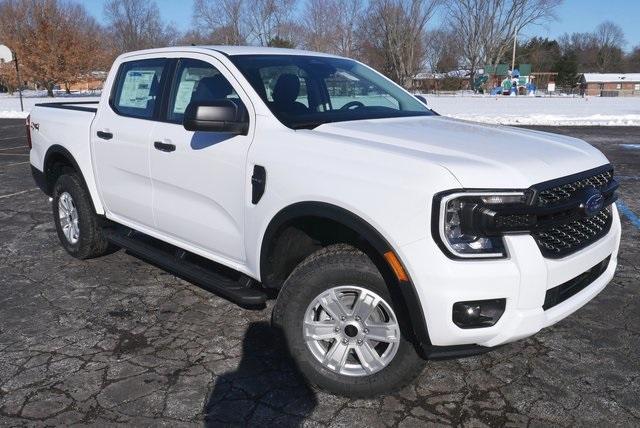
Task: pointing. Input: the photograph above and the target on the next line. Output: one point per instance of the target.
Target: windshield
(307, 91)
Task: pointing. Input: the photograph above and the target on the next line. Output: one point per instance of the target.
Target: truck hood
(479, 156)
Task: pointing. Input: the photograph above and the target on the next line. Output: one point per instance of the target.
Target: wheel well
(298, 238)
(301, 229)
(57, 162)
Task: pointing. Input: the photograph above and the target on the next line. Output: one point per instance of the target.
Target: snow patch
(13, 114)
(548, 111)
(10, 104)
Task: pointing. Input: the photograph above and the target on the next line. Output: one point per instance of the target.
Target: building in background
(427, 82)
(92, 82)
(610, 84)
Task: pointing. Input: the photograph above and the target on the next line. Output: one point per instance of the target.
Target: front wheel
(341, 326)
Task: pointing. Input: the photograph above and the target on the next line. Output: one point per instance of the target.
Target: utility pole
(15, 58)
(513, 58)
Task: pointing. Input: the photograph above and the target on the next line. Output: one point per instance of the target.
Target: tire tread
(347, 258)
(93, 242)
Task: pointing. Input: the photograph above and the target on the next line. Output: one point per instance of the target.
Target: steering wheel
(352, 105)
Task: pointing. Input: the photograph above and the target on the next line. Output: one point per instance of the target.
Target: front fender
(406, 290)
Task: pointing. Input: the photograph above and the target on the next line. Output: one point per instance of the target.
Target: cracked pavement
(115, 340)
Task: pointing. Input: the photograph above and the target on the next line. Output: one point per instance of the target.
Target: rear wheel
(79, 227)
(341, 326)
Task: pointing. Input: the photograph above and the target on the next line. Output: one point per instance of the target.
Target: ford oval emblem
(593, 203)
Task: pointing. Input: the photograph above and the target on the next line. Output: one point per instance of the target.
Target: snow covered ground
(523, 110)
(550, 111)
(10, 104)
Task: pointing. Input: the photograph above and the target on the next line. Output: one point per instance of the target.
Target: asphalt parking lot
(117, 341)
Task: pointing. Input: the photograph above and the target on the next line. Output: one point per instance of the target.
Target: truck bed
(64, 127)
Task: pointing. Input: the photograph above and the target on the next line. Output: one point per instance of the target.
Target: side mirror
(216, 116)
(422, 99)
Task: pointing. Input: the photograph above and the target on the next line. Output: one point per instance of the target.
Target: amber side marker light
(396, 266)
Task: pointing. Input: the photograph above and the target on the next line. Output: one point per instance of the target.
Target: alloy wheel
(68, 214)
(351, 331)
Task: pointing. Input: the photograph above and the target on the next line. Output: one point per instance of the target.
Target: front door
(120, 139)
(199, 178)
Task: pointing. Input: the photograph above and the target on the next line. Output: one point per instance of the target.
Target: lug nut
(337, 329)
(366, 331)
(357, 318)
(359, 341)
(342, 318)
(345, 341)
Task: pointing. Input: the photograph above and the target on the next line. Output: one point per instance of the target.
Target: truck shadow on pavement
(266, 387)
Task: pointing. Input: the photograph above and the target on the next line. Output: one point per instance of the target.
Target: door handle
(164, 147)
(105, 135)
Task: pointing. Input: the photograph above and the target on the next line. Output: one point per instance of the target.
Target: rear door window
(138, 88)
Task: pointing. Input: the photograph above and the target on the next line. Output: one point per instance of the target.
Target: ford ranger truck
(389, 234)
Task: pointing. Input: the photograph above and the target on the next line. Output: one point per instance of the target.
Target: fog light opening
(478, 313)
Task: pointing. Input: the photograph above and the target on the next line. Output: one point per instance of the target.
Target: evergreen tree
(567, 68)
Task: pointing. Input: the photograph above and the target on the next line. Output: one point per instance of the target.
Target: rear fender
(57, 151)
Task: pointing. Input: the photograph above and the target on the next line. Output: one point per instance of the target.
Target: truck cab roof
(231, 50)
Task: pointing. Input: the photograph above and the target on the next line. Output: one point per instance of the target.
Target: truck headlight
(459, 220)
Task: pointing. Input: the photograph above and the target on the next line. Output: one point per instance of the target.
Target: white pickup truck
(390, 234)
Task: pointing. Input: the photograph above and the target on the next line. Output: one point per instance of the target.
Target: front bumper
(523, 279)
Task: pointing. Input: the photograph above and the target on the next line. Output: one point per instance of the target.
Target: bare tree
(511, 17)
(331, 25)
(600, 50)
(320, 24)
(487, 28)
(609, 34)
(291, 34)
(136, 24)
(347, 20)
(267, 18)
(393, 35)
(611, 40)
(442, 50)
(221, 21)
(469, 20)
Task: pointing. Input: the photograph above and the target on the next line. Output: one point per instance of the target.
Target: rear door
(200, 178)
(121, 138)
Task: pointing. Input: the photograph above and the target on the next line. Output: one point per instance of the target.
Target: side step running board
(211, 276)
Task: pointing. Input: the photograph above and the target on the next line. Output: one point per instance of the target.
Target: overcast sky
(573, 16)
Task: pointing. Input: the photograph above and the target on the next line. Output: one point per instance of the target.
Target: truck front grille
(566, 191)
(564, 237)
(568, 238)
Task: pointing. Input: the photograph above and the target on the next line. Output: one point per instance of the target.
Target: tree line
(59, 42)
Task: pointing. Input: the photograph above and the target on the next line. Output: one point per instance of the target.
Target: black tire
(332, 266)
(91, 239)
